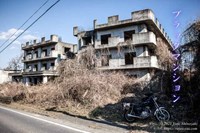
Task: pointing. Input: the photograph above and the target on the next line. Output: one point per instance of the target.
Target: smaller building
(41, 59)
(4, 76)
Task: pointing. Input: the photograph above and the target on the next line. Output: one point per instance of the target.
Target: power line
(30, 25)
(24, 23)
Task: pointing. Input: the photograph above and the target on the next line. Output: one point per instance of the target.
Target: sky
(61, 19)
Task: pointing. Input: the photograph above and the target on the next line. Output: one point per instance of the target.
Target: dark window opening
(52, 64)
(86, 40)
(151, 52)
(53, 48)
(44, 51)
(104, 38)
(79, 44)
(59, 58)
(36, 67)
(129, 58)
(29, 67)
(67, 49)
(44, 66)
(36, 54)
(105, 60)
(128, 35)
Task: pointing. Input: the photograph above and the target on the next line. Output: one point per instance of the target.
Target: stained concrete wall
(4, 77)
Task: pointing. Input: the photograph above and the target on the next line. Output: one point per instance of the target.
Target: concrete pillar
(39, 66)
(146, 51)
(39, 52)
(54, 38)
(27, 81)
(45, 79)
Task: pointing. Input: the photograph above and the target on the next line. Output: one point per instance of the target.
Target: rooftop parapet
(53, 38)
(142, 16)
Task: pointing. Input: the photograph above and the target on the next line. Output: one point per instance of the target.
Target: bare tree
(165, 57)
(15, 63)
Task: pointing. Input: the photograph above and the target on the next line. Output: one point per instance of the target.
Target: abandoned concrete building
(128, 45)
(41, 59)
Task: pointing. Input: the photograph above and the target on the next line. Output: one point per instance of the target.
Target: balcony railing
(138, 62)
(148, 38)
(144, 38)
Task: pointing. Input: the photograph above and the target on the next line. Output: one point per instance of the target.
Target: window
(129, 58)
(105, 60)
(52, 64)
(53, 48)
(151, 52)
(36, 54)
(44, 66)
(44, 52)
(104, 38)
(128, 35)
(36, 67)
(79, 44)
(86, 40)
(66, 50)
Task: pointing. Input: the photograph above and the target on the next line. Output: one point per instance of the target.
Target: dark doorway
(129, 58)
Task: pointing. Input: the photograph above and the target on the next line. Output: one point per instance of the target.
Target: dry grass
(78, 88)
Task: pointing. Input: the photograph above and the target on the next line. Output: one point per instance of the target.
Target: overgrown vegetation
(79, 89)
(191, 76)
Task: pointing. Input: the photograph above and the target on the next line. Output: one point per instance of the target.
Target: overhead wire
(24, 23)
(29, 26)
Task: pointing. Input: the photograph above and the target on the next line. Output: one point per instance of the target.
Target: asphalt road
(13, 121)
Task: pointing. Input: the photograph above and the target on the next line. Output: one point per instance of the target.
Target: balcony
(30, 58)
(148, 38)
(40, 73)
(144, 38)
(138, 62)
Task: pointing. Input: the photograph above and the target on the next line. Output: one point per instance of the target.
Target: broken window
(79, 44)
(36, 67)
(86, 41)
(105, 60)
(52, 64)
(53, 48)
(128, 35)
(67, 50)
(104, 38)
(44, 66)
(129, 58)
(151, 52)
(44, 52)
(36, 54)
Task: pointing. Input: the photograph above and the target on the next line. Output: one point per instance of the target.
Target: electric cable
(30, 25)
(23, 24)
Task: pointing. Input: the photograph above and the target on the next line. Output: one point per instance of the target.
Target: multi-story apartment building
(41, 59)
(127, 45)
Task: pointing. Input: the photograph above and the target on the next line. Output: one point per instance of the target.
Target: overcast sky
(66, 14)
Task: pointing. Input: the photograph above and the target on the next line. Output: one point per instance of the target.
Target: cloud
(9, 33)
(28, 36)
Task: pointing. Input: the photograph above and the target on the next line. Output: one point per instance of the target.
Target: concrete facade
(41, 59)
(4, 76)
(128, 45)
